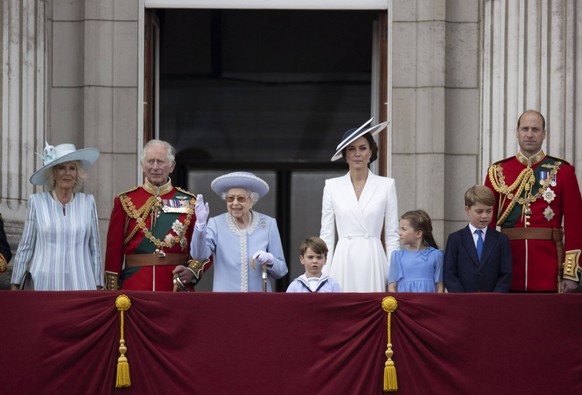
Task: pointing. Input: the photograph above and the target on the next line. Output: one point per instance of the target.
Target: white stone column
(418, 108)
(22, 105)
(531, 59)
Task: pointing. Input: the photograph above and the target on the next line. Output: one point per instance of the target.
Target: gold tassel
(389, 305)
(123, 380)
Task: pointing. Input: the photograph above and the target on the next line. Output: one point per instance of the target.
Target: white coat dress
(359, 262)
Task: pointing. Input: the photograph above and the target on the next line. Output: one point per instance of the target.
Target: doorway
(266, 91)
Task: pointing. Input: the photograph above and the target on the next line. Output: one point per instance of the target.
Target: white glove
(264, 258)
(202, 211)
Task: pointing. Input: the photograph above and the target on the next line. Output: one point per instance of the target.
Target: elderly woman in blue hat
(242, 240)
(358, 205)
(60, 248)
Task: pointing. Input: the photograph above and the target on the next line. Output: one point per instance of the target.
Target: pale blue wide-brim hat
(353, 134)
(239, 179)
(62, 153)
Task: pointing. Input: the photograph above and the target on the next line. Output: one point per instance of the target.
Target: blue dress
(233, 249)
(416, 271)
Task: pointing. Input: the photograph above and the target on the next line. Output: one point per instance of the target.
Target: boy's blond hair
(479, 194)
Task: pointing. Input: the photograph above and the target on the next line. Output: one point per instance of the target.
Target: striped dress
(60, 244)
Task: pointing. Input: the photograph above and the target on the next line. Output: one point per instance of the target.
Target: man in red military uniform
(150, 229)
(538, 206)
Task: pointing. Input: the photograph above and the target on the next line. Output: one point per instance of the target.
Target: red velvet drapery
(231, 343)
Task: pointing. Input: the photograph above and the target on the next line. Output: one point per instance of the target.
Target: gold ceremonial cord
(498, 181)
(525, 180)
(140, 217)
(131, 212)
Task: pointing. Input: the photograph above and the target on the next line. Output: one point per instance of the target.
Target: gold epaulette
(131, 190)
(185, 192)
(563, 161)
(502, 160)
(571, 266)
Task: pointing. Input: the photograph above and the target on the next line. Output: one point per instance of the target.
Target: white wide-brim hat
(239, 179)
(353, 134)
(62, 153)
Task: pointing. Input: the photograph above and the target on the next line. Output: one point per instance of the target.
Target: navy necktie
(479, 233)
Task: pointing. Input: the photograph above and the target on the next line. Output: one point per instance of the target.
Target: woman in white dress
(358, 205)
(60, 245)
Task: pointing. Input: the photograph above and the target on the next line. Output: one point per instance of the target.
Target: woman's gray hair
(252, 195)
(51, 181)
(171, 151)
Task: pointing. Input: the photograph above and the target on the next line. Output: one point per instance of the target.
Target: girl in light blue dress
(418, 265)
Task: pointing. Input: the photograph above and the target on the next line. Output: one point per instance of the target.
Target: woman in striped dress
(60, 245)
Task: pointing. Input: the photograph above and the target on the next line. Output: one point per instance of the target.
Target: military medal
(544, 175)
(178, 205)
(549, 213)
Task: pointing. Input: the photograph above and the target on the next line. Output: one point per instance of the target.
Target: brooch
(549, 213)
(549, 195)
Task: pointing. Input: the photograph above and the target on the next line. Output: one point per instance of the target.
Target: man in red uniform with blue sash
(150, 228)
(538, 206)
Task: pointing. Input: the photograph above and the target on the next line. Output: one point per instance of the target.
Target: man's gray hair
(169, 149)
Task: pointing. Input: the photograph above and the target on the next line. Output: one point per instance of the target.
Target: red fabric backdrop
(221, 343)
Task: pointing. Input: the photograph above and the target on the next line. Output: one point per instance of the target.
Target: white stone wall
(22, 105)
(531, 59)
(462, 71)
(423, 82)
(69, 75)
(94, 90)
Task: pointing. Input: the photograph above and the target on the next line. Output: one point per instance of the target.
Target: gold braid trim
(498, 181)
(3, 264)
(571, 265)
(525, 180)
(140, 215)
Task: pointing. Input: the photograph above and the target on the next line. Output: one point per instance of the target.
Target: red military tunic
(147, 223)
(538, 194)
